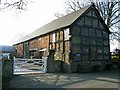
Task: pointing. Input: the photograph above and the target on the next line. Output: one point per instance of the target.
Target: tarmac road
(103, 79)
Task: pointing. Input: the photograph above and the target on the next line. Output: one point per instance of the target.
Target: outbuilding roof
(6, 49)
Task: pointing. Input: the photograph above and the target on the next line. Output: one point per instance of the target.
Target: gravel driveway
(104, 79)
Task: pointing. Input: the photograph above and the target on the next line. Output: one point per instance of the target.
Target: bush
(74, 67)
(108, 66)
(96, 68)
(80, 68)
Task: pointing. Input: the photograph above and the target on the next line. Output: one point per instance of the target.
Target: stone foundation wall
(77, 67)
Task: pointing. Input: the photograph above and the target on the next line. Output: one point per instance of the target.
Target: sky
(39, 13)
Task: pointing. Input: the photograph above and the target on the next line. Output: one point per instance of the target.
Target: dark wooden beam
(49, 43)
(59, 40)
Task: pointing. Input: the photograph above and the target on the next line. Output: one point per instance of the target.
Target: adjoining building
(79, 37)
(5, 51)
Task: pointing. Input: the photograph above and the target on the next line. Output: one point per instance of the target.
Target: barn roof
(56, 24)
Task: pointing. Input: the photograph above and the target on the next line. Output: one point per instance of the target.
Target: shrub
(80, 68)
(74, 67)
(108, 66)
(96, 68)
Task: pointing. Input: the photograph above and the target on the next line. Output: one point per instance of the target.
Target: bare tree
(74, 5)
(110, 12)
(108, 9)
(58, 15)
(18, 36)
(14, 4)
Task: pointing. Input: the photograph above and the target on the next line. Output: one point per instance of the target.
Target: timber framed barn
(80, 37)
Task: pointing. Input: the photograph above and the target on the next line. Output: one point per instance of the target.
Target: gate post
(14, 65)
(45, 65)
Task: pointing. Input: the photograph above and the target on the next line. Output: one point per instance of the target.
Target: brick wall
(19, 50)
(33, 44)
(43, 42)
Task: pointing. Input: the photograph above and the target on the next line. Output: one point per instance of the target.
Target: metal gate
(26, 66)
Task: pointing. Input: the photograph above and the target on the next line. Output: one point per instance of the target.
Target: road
(103, 79)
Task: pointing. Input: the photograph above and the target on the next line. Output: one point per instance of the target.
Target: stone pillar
(7, 72)
(50, 61)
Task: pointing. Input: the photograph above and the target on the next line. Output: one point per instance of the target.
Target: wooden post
(63, 47)
(49, 43)
(45, 65)
(59, 41)
(63, 64)
(55, 40)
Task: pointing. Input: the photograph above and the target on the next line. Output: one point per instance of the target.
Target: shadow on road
(50, 80)
(106, 76)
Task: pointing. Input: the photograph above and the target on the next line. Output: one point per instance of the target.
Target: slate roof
(58, 24)
(55, 24)
(6, 49)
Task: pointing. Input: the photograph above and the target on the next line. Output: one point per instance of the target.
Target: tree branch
(20, 5)
(116, 17)
(114, 23)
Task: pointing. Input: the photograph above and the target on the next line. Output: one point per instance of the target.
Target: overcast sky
(39, 13)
